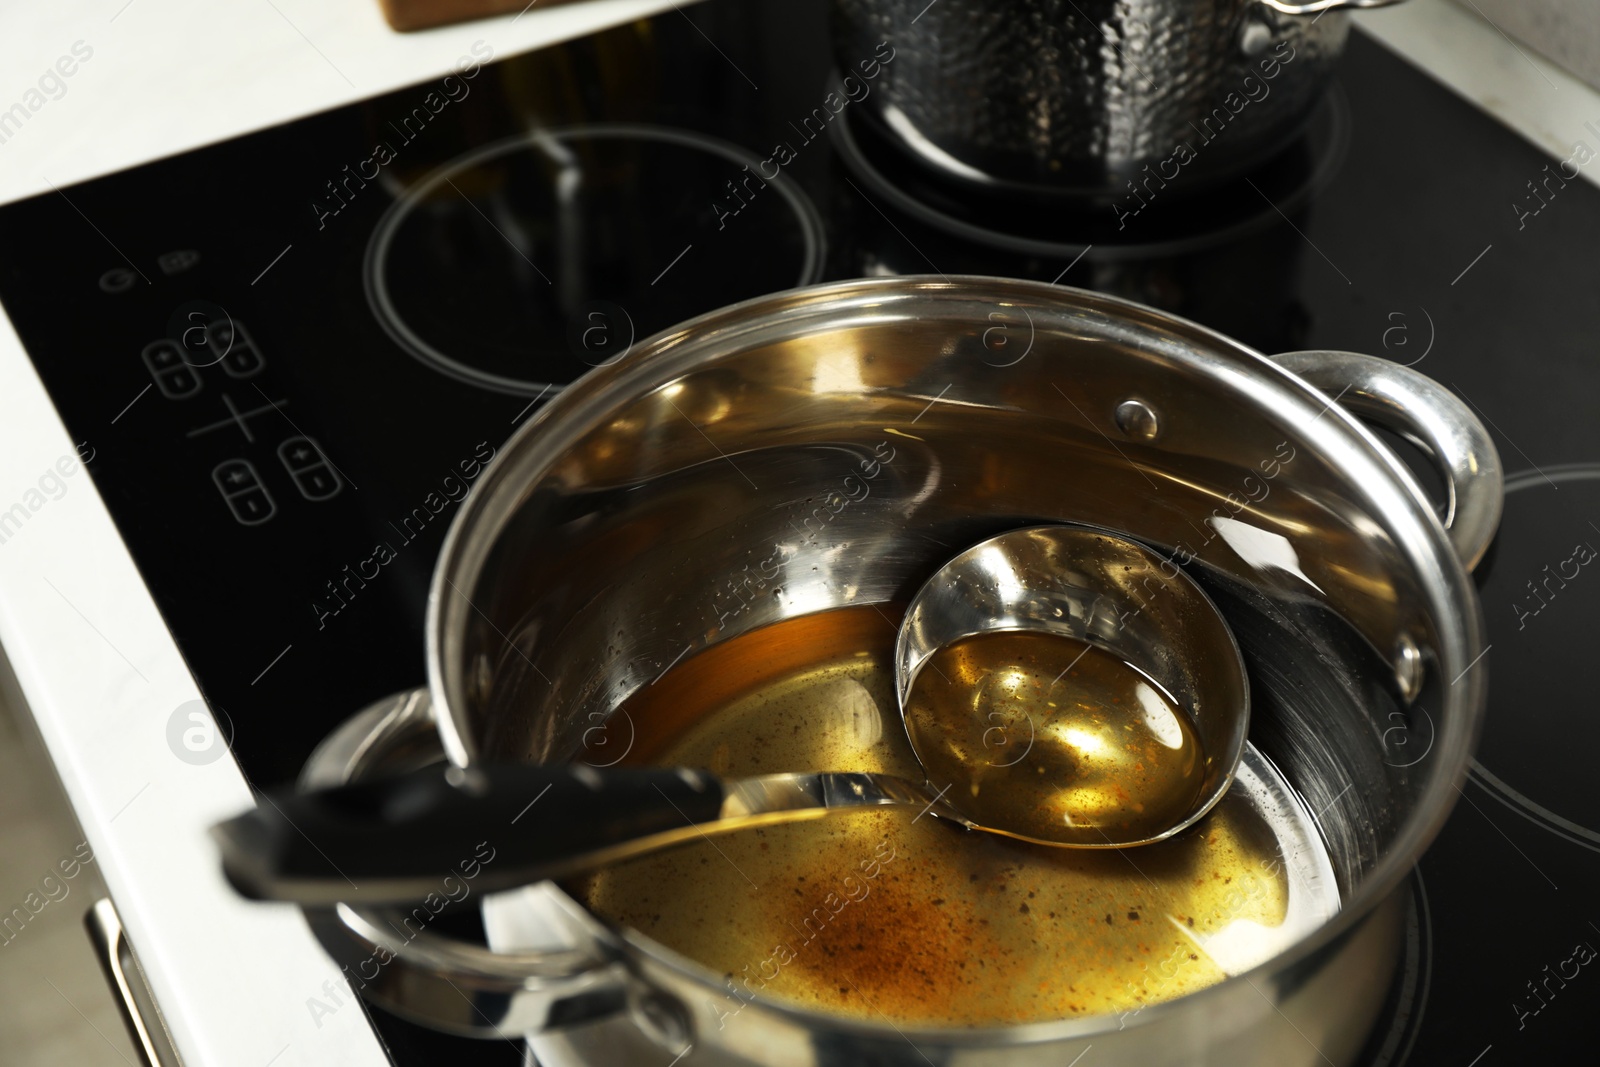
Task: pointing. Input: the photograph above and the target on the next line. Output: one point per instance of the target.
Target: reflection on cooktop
(521, 265)
(1395, 1033)
(1165, 218)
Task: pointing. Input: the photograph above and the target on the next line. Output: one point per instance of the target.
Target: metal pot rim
(1381, 478)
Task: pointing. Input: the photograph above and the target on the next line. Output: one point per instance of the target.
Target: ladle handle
(1430, 416)
(409, 836)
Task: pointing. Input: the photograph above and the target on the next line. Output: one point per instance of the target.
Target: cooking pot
(832, 446)
(1126, 99)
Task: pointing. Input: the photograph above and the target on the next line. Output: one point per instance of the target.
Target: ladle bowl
(1103, 590)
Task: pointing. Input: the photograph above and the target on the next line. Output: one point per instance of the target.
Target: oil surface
(884, 914)
(1050, 737)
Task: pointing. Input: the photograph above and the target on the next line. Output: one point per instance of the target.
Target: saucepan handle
(1426, 413)
(1316, 7)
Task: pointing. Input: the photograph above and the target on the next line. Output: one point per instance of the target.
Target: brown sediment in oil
(885, 913)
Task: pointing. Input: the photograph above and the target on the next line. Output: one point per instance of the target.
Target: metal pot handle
(1431, 417)
(393, 958)
(1317, 7)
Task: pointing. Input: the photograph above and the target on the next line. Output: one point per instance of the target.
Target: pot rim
(1380, 479)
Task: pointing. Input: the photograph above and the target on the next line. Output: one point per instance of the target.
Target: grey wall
(1567, 31)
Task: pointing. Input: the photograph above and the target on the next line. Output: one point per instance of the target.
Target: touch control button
(246, 496)
(241, 359)
(313, 475)
(172, 373)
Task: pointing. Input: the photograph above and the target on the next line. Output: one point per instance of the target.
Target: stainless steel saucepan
(1119, 99)
(825, 447)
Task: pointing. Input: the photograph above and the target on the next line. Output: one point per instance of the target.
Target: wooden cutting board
(422, 14)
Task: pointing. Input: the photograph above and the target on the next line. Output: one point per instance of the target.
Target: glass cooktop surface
(289, 355)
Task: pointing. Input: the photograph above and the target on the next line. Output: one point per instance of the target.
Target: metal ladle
(1064, 774)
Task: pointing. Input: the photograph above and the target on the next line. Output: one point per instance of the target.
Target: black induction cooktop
(290, 354)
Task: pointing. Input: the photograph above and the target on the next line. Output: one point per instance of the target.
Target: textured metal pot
(1081, 96)
(826, 447)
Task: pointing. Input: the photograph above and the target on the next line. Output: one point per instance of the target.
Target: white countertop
(1506, 78)
(169, 75)
(97, 667)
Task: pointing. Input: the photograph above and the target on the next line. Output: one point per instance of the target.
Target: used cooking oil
(1053, 738)
(888, 913)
